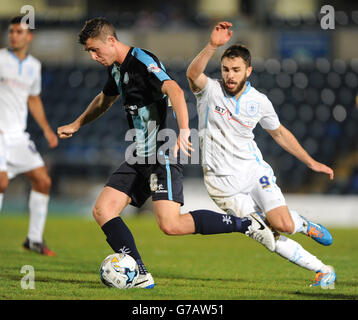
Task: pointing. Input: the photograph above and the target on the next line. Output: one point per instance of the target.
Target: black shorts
(140, 181)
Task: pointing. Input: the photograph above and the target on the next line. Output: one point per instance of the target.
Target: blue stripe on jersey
(205, 128)
(248, 87)
(169, 178)
(149, 61)
(18, 60)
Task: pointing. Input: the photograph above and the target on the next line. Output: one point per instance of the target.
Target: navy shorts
(140, 181)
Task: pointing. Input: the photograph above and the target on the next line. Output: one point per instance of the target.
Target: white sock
(294, 252)
(1, 199)
(298, 222)
(38, 204)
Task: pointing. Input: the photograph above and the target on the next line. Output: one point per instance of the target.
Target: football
(119, 270)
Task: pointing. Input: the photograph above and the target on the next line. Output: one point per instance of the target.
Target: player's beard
(237, 89)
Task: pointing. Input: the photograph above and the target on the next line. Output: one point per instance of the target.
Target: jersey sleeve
(110, 88)
(156, 75)
(35, 89)
(204, 93)
(269, 120)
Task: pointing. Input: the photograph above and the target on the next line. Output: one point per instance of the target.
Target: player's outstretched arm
(287, 141)
(195, 72)
(177, 99)
(100, 104)
(37, 110)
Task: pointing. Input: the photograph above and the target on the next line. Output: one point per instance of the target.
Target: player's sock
(1, 199)
(210, 222)
(299, 223)
(121, 240)
(38, 205)
(294, 252)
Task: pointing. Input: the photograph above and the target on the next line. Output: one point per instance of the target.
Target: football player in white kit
(235, 174)
(20, 87)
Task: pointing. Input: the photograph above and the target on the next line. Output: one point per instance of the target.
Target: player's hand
(67, 131)
(51, 138)
(183, 143)
(320, 167)
(221, 34)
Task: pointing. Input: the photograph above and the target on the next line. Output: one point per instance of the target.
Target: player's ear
(30, 35)
(111, 40)
(248, 71)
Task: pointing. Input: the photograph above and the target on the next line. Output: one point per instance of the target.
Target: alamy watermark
(28, 20)
(328, 18)
(152, 146)
(28, 280)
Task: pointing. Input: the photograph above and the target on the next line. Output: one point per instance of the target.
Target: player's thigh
(40, 179)
(131, 180)
(229, 193)
(109, 204)
(265, 192)
(269, 198)
(170, 220)
(22, 156)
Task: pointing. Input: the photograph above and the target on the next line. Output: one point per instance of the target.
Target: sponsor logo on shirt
(222, 111)
(153, 68)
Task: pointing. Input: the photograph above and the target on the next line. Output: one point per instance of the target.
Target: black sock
(121, 240)
(210, 222)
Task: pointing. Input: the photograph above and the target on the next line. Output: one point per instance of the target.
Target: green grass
(195, 267)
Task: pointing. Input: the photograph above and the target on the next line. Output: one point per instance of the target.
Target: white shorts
(18, 154)
(253, 188)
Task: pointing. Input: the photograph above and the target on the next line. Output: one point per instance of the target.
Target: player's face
(101, 51)
(19, 38)
(234, 72)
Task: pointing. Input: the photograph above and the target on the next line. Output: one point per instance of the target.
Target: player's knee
(43, 185)
(97, 212)
(4, 182)
(285, 225)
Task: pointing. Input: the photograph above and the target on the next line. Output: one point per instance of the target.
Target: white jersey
(18, 80)
(226, 127)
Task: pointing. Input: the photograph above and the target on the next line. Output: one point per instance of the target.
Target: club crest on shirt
(252, 108)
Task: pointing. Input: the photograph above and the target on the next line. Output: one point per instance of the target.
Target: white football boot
(145, 281)
(260, 232)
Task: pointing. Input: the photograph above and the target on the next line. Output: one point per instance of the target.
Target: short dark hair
(18, 20)
(238, 50)
(97, 27)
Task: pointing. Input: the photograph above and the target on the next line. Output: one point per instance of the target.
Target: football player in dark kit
(140, 80)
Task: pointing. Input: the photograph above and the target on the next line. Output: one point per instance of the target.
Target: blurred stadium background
(310, 75)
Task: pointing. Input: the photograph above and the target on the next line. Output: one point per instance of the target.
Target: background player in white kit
(20, 87)
(236, 176)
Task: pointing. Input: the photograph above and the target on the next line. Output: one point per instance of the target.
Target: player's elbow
(171, 88)
(191, 75)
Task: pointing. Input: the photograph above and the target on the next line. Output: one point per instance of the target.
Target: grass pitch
(193, 267)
